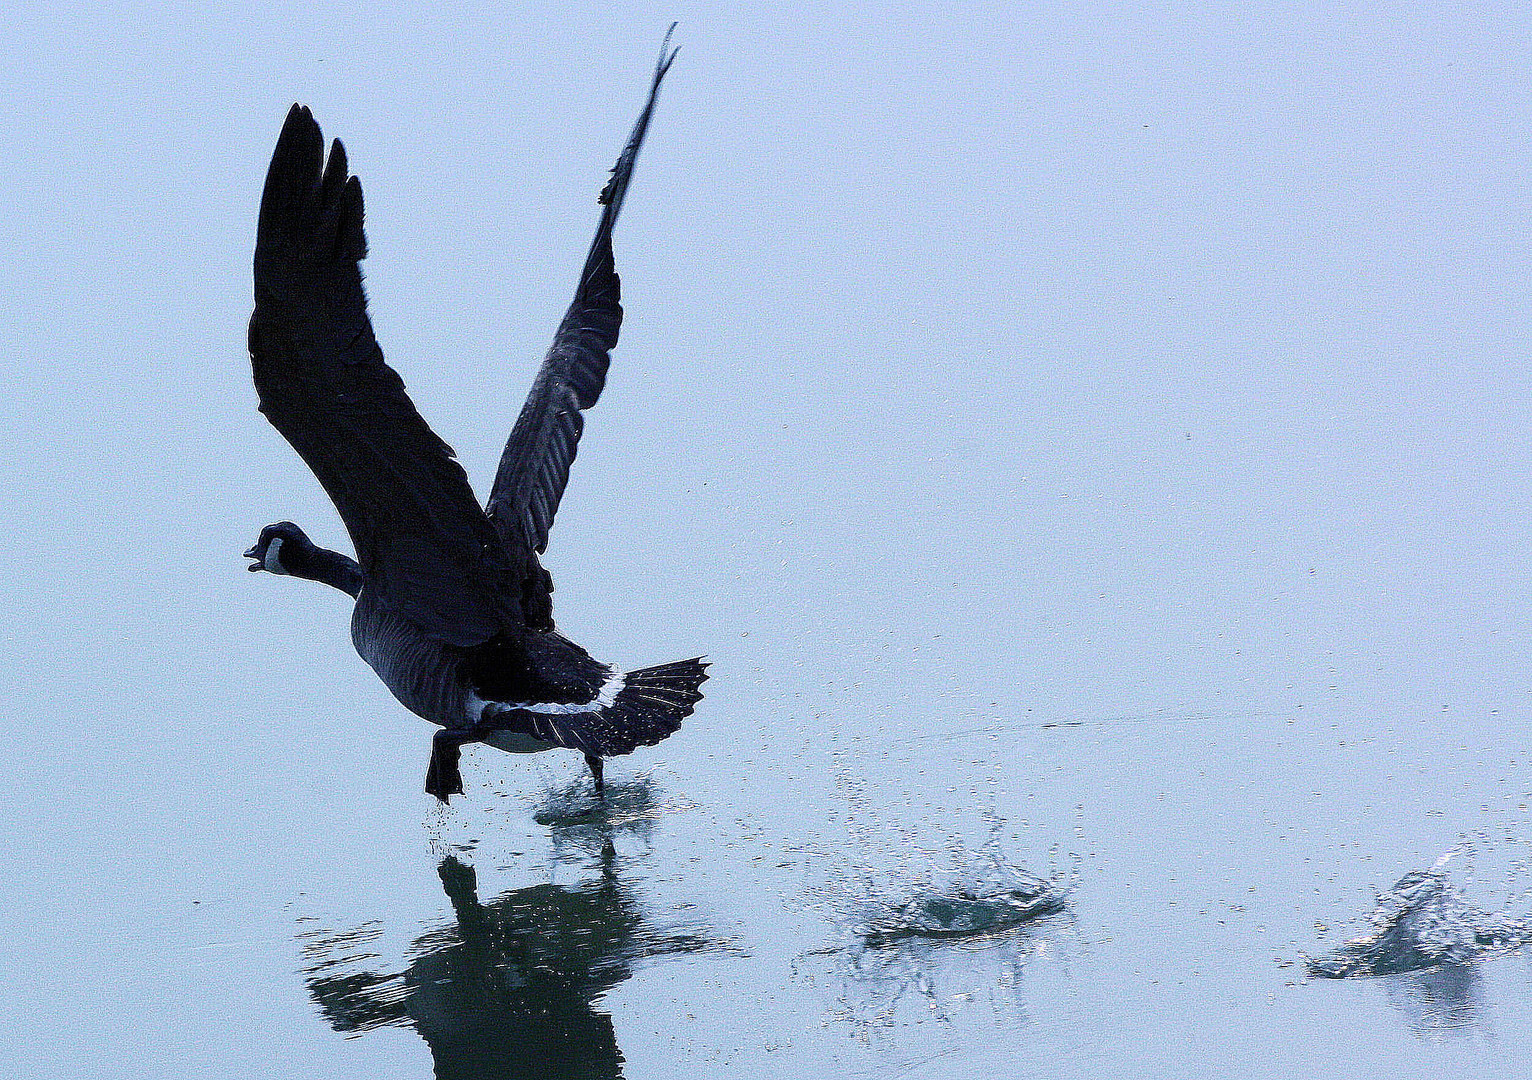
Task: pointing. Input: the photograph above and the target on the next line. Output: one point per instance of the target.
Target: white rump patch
(520, 743)
(604, 698)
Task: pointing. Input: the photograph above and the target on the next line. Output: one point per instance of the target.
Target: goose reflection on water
(510, 988)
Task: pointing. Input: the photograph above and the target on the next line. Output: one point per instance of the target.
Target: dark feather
(534, 468)
(545, 667)
(421, 538)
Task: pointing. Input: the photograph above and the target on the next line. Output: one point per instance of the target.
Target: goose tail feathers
(650, 706)
(638, 708)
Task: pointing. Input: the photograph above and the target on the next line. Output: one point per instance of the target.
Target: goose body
(453, 608)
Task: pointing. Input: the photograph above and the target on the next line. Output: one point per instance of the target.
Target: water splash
(985, 894)
(906, 886)
(1421, 923)
(941, 932)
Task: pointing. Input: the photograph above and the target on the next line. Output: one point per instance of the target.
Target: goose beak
(257, 565)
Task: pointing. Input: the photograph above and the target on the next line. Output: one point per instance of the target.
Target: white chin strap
(272, 562)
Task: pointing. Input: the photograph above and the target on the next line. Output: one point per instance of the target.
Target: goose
(453, 608)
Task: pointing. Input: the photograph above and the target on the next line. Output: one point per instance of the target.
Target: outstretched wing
(535, 466)
(421, 538)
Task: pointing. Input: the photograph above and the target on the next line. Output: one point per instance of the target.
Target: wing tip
(612, 192)
(663, 65)
(312, 208)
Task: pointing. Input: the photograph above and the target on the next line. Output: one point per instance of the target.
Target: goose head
(283, 548)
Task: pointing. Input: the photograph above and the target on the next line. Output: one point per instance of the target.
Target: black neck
(322, 564)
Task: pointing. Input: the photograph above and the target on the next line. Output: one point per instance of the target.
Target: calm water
(1093, 453)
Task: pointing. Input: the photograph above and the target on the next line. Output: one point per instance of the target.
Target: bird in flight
(453, 606)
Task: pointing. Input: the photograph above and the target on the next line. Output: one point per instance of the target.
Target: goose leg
(595, 771)
(442, 776)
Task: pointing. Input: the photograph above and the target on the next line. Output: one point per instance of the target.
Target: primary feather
(534, 468)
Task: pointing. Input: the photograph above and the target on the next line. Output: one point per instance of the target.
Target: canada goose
(453, 608)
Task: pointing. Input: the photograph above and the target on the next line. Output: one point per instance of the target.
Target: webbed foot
(443, 779)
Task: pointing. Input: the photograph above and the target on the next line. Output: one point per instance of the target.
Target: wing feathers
(534, 468)
(420, 536)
